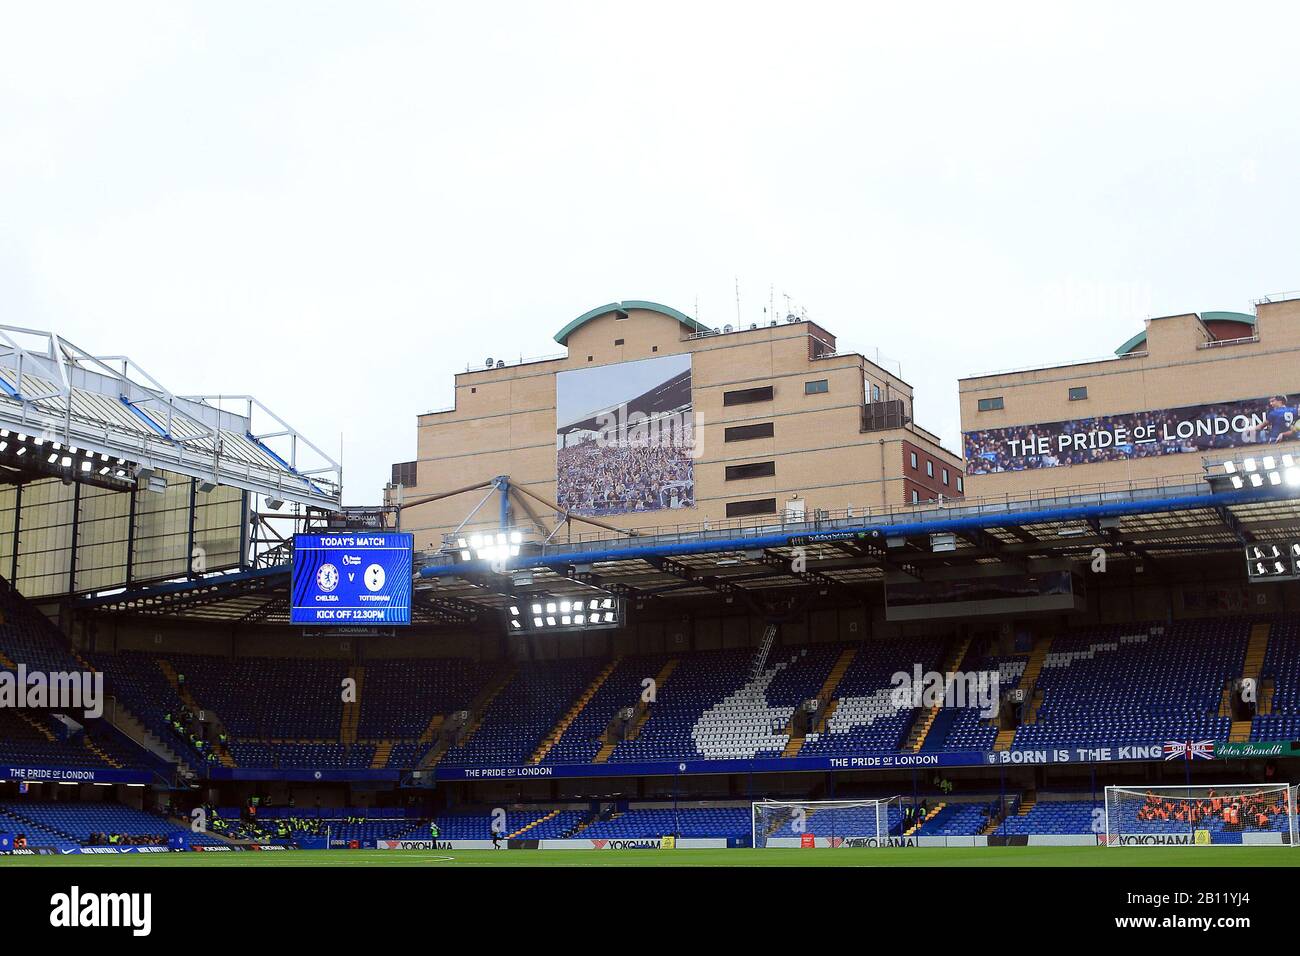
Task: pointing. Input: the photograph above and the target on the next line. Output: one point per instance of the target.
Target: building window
(915, 463)
(945, 476)
(1078, 393)
(959, 483)
(929, 468)
(916, 498)
(654, 348)
(758, 469)
(819, 387)
(990, 404)
(618, 341)
(404, 474)
(756, 506)
(748, 432)
(747, 396)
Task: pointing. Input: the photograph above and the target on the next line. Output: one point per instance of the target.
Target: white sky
(336, 206)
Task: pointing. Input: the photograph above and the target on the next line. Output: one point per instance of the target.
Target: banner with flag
(1189, 749)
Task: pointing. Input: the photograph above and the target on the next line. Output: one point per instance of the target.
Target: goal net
(826, 823)
(1257, 814)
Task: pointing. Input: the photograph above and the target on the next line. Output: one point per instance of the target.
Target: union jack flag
(1189, 749)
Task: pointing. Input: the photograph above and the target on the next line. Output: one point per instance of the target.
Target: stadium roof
(562, 336)
(109, 405)
(1159, 526)
(1154, 526)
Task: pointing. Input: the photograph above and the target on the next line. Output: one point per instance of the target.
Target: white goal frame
(881, 807)
(1286, 791)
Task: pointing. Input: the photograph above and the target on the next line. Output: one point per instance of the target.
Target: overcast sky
(336, 206)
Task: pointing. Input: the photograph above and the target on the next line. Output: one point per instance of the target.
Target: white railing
(1244, 340)
(1278, 297)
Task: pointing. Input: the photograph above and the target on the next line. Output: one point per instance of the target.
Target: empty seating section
(971, 729)
(1282, 671)
(584, 737)
(1138, 684)
(955, 819)
(524, 712)
(21, 743)
(752, 719)
(867, 717)
(29, 640)
(1105, 686)
(639, 823)
(699, 681)
(28, 637)
(137, 681)
(400, 696)
(67, 825)
(1072, 817)
(839, 822)
(265, 698)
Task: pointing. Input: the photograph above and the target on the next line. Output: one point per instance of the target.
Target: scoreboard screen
(351, 578)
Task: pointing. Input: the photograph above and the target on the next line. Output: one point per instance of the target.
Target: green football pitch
(1068, 856)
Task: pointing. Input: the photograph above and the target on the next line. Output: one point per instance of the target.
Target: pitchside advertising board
(350, 579)
(1272, 420)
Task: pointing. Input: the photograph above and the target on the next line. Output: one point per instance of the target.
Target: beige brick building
(777, 412)
(1187, 388)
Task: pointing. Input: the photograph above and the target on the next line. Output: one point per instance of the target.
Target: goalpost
(825, 823)
(1251, 813)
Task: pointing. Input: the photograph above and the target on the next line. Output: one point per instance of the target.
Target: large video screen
(1171, 431)
(625, 437)
(350, 578)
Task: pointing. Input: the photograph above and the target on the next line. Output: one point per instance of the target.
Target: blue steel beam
(877, 533)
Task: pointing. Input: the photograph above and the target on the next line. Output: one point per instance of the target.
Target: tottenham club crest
(374, 577)
(327, 578)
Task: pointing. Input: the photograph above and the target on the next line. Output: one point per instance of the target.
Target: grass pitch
(1056, 856)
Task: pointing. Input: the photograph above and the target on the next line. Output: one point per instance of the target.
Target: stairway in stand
(551, 739)
(169, 672)
(1028, 681)
(478, 709)
(352, 708)
(528, 826)
(916, 737)
(642, 714)
(929, 815)
(1251, 669)
(383, 750)
(826, 698)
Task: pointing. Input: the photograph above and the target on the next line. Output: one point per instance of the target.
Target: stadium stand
(64, 825)
(1096, 687)
(1136, 684)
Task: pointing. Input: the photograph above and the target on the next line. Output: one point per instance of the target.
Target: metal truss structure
(107, 406)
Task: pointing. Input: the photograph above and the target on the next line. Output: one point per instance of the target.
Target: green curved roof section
(627, 305)
(1140, 339)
